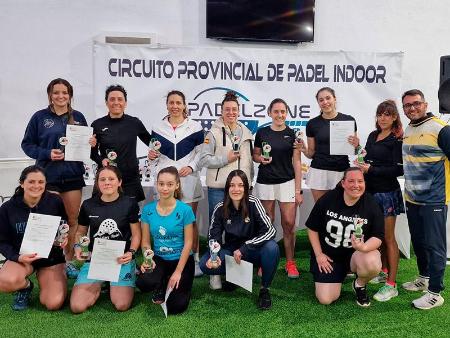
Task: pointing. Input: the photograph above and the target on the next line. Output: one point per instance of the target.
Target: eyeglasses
(416, 105)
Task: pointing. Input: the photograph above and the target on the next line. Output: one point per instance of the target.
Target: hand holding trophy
(112, 157)
(149, 263)
(84, 245)
(61, 234)
(214, 248)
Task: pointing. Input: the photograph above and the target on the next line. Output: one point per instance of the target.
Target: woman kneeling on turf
(169, 221)
(249, 235)
(108, 215)
(345, 228)
(31, 196)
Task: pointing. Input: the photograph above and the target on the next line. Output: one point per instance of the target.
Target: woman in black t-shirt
(325, 170)
(109, 215)
(279, 176)
(382, 166)
(345, 229)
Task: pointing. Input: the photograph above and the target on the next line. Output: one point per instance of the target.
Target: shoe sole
(385, 300)
(425, 308)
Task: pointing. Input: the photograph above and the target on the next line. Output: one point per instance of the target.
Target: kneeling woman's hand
(145, 267)
(174, 280)
(237, 254)
(215, 265)
(125, 258)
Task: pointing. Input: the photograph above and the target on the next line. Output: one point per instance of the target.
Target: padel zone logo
(205, 109)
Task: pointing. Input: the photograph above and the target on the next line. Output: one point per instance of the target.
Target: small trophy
(214, 248)
(235, 142)
(358, 222)
(155, 144)
(148, 259)
(63, 141)
(266, 148)
(84, 245)
(112, 157)
(61, 234)
(360, 154)
(298, 136)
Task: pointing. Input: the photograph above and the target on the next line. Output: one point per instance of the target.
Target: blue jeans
(429, 240)
(215, 195)
(266, 256)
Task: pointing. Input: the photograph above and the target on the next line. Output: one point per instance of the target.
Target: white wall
(44, 39)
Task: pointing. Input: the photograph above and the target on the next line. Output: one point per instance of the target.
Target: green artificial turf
(295, 312)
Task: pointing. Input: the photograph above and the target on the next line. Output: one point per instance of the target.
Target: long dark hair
(173, 171)
(227, 202)
(389, 107)
(69, 87)
(179, 93)
(115, 170)
(23, 176)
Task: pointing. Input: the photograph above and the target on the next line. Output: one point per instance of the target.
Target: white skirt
(283, 192)
(319, 179)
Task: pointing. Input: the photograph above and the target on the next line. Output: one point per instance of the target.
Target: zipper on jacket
(217, 174)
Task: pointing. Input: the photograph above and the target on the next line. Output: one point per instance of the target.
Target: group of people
(350, 228)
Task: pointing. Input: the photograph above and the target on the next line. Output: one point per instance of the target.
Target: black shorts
(55, 257)
(341, 268)
(65, 185)
(133, 189)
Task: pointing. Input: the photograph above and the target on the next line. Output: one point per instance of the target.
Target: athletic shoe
(198, 272)
(71, 271)
(428, 301)
(381, 278)
(291, 269)
(158, 296)
(215, 282)
(264, 300)
(361, 295)
(22, 298)
(228, 287)
(418, 284)
(386, 293)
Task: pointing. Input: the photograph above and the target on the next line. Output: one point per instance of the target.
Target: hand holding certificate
(339, 133)
(77, 147)
(39, 234)
(104, 264)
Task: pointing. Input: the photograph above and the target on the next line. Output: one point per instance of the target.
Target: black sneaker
(22, 298)
(158, 296)
(228, 287)
(361, 295)
(264, 300)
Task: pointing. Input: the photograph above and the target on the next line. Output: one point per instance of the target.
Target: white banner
(361, 81)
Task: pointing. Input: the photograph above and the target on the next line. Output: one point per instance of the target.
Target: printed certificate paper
(78, 147)
(104, 265)
(339, 132)
(39, 234)
(239, 274)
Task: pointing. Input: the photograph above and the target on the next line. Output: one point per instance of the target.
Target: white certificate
(78, 147)
(104, 265)
(239, 274)
(164, 305)
(339, 133)
(39, 234)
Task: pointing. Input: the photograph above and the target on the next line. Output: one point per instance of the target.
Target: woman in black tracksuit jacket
(249, 234)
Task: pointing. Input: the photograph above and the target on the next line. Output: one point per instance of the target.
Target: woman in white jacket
(179, 139)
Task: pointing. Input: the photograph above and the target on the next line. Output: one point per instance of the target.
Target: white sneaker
(386, 293)
(215, 282)
(198, 272)
(419, 284)
(381, 278)
(428, 301)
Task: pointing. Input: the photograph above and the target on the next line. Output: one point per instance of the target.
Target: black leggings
(178, 300)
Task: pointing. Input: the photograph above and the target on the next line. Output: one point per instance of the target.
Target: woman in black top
(31, 197)
(117, 133)
(383, 164)
(326, 170)
(249, 235)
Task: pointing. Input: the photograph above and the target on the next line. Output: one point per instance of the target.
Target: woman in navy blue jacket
(42, 142)
(31, 196)
(249, 234)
